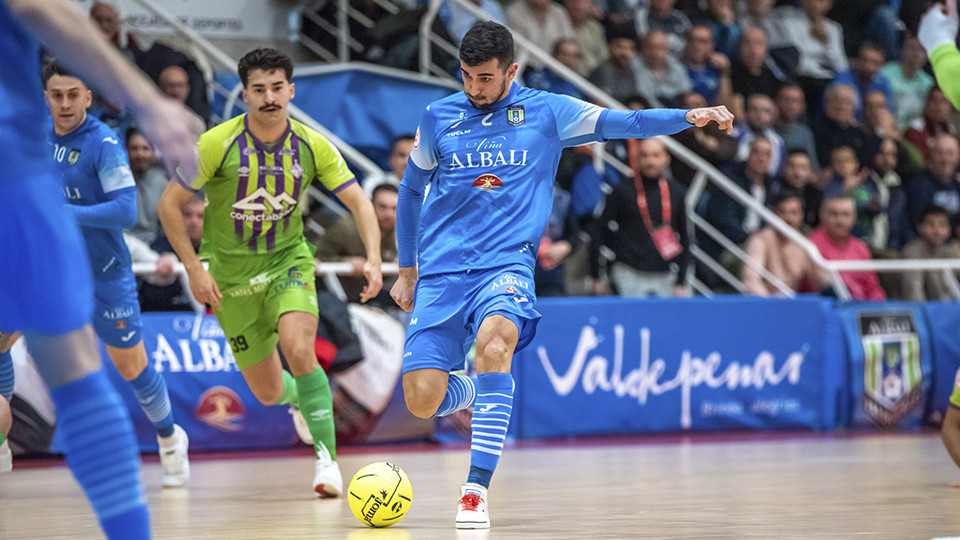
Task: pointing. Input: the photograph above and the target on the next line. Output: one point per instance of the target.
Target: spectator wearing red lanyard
(643, 225)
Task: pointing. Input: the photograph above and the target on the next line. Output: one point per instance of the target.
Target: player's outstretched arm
(358, 203)
(950, 432)
(938, 34)
(202, 284)
(703, 116)
(61, 26)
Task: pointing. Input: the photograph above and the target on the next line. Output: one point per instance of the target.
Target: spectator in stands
(458, 20)
(151, 180)
(932, 243)
(730, 217)
(864, 75)
(849, 180)
(342, 243)
(589, 34)
(909, 82)
(710, 142)
(921, 136)
(758, 122)
(660, 78)
(165, 291)
(877, 118)
(839, 126)
(541, 21)
(819, 41)
(400, 154)
(174, 82)
(937, 184)
(708, 70)
(753, 72)
(798, 177)
(661, 15)
(791, 108)
(644, 224)
(104, 16)
(779, 255)
(720, 17)
(867, 20)
(617, 75)
(889, 231)
(559, 240)
(756, 14)
(567, 52)
(834, 241)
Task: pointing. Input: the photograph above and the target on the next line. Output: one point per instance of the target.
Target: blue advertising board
(612, 365)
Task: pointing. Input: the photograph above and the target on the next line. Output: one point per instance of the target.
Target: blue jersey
(41, 287)
(95, 170)
(491, 173)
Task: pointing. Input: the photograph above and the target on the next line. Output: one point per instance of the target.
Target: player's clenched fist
(204, 287)
(403, 289)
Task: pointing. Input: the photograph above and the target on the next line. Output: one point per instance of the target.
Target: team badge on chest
(73, 156)
(515, 115)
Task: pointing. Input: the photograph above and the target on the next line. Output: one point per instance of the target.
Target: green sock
(316, 404)
(2, 437)
(289, 395)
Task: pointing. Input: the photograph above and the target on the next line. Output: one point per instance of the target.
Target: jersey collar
(258, 144)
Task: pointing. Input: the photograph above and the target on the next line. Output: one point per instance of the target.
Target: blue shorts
(45, 281)
(116, 312)
(449, 308)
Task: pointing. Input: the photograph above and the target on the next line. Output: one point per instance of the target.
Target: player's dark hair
(266, 59)
(934, 210)
(53, 69)
(386, 186)
(487, 40)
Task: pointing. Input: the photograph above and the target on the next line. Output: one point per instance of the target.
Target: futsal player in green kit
(254, 170)
(938, 34)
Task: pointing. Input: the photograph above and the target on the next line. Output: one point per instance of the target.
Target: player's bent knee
(422, 397)
(267, 397)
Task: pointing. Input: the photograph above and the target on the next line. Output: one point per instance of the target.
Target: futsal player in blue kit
(45, 283)
(467, 253)
(101, 193)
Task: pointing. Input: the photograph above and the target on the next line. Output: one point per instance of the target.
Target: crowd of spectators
(836, 108)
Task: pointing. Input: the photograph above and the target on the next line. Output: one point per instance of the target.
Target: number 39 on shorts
(238, 344)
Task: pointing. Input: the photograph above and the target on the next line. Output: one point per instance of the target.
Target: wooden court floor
(753, 486)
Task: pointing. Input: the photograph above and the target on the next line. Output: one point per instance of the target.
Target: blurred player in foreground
(46, 289)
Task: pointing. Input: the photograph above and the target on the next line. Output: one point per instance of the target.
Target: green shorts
(251, 311)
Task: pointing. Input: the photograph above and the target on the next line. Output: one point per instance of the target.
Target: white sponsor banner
(256, 19)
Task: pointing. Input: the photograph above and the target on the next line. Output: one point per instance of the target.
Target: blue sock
(6, 375)
(102, 454)
(491, 417)
(151, 391)
(461, 393)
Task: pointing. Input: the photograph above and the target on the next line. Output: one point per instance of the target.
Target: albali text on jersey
(100, 191)
(491, 173)
(253, 191)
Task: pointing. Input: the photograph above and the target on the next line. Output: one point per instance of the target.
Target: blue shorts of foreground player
(45, 281)
(449, 308)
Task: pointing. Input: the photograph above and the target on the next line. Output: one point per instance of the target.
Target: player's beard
(500, 95)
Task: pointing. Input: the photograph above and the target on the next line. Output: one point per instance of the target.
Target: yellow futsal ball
(380, 494)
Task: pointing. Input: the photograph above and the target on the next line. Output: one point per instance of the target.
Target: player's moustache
(270, 107)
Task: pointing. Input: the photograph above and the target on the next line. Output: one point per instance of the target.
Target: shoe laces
(471, 502)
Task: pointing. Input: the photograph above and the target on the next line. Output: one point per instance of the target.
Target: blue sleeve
(118, 212)
(113, 166)
(616, 124)
(579, 122)
(420, 169)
